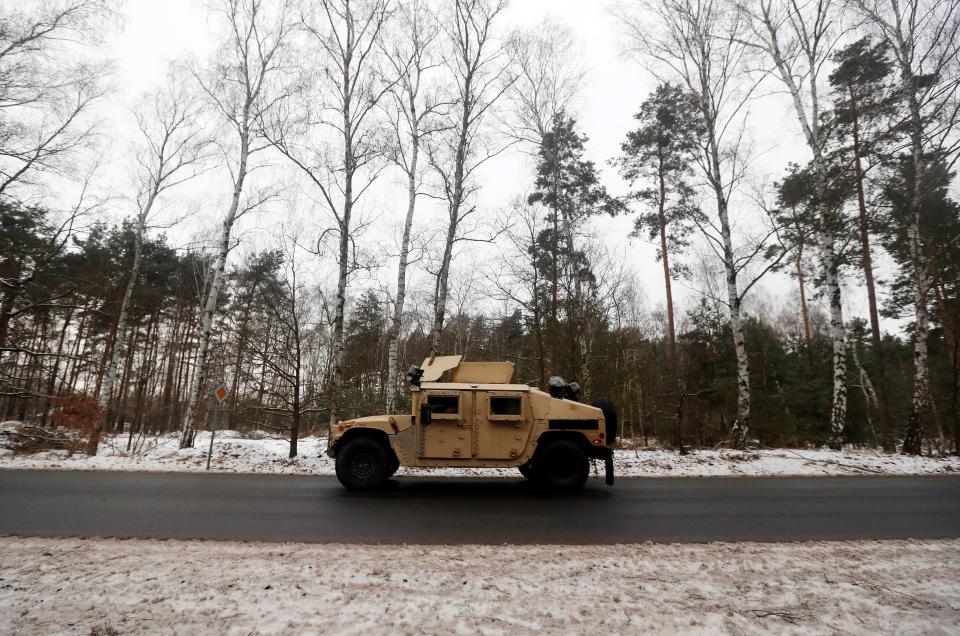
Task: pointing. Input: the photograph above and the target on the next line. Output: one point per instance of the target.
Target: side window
(506, 407)
(444, 404)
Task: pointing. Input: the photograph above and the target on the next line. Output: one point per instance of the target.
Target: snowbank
(269, 455)
(75, 586)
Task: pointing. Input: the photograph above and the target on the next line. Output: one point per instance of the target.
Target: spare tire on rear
(610, 415)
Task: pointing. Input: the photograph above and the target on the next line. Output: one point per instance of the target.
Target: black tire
(610, 415)
(528, 471)
(362, 464)
(393, 467)
(562, 465)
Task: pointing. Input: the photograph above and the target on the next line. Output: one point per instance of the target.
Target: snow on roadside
(75, 586)
(233, 453)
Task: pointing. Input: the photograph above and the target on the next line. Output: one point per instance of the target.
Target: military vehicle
(469, 415)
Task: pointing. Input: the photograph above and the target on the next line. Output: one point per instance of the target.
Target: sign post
(221, 394)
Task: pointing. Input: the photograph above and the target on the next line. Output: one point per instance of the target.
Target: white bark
(213, 294)
(866, 385)
(342, 99)
(412, 57)
(924, 38)
(838, 410)
(800, 61)
(110, 374)
(396, 321)
(171, 149)
(701, 45)
(475, 64)
(241, 92)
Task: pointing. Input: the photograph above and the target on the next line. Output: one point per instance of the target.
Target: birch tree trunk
(242, 94)
(811, 34)
(838, 411)
(923, 38)
(443, 277)
(475, 63)
(920, 402)
(198, 381)
(412, 54)
(110, 375)
(738, 432)
(171, 147)
(393, 345)
(704, 46)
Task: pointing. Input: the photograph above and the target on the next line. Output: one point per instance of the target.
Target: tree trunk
(838, 412)
(49, 393)
(950, 334)
(886, 425)
(671, 324)
(110, 375)
(349, 163)
(811, 132)
(394, 336)
(920, 402)
(213, 293)
(804, 310)
(453, 207)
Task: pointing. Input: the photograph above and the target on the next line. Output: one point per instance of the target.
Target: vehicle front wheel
(393, 467)
(563, 465)
(362, 464)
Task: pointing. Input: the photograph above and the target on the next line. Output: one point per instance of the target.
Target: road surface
(447, 511)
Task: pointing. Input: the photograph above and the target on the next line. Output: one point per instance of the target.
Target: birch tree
(171, 148)
(241, 85)
(798, 40)
(47, 87)
(416, 106)
(699, 43)
(924, 39)
(330, 133)
(476, 65)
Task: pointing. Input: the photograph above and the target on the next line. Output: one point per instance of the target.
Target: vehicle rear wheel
(362, 464)
(563, 465)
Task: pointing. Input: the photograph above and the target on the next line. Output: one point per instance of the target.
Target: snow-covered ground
(231, 453)
(75, 586)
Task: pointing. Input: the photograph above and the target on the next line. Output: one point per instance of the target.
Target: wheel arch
(370, 433)
(549, 436)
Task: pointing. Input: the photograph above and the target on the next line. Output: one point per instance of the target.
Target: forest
(340, 151)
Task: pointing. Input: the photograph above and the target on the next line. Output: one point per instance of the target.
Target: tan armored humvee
(477, 418)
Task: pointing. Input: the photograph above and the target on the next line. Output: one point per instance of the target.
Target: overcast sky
(154, 33)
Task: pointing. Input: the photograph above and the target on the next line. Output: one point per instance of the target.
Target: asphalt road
(438, 511)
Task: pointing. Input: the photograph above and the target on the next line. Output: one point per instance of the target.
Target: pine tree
(569, 187)
(658, 157)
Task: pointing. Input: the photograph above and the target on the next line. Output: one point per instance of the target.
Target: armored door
(449, 432)
(502, 423)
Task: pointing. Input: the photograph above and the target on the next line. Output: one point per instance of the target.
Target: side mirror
(425, 414)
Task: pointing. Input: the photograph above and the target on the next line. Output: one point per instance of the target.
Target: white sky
(154, 33)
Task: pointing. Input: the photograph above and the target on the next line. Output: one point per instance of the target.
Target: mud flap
(608, 467)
